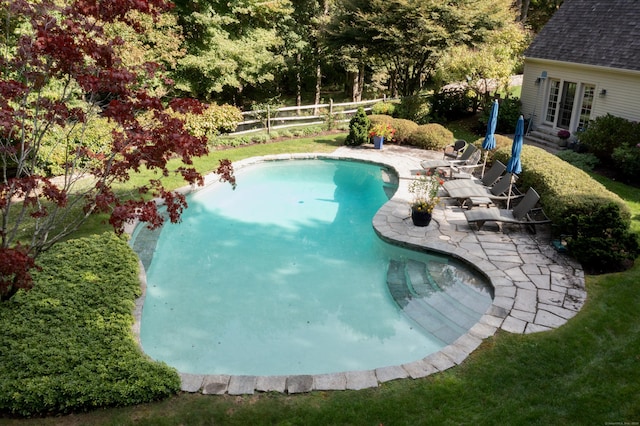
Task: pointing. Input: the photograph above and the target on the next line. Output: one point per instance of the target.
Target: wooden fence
(304, 115)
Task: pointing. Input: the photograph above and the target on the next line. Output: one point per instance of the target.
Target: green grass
(629, 194)
(463, 129)
(586, 372)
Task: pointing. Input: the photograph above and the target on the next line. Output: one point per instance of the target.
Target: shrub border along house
(594, 221)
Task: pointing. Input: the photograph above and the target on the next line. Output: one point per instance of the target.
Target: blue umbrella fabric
(489, 142)
(514, 165)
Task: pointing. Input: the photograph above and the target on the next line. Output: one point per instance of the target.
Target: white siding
(622, 97)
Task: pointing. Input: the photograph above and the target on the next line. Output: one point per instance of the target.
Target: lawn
(586, 372)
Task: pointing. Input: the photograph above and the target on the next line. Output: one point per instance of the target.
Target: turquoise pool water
(285, 275)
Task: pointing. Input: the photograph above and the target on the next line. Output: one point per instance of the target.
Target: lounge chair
(489, 178)
(454, 150)
(470, 156)
(523, 213)
(472, 195)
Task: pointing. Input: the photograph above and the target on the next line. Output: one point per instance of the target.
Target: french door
(569, 104)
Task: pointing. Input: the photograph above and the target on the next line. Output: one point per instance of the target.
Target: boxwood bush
(384, 108)
(404, 129)
(593, 219)
(67, 345)
(431, 136)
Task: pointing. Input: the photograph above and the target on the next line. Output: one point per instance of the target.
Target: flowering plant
(382, 129)
(425, 191)
(564, 134)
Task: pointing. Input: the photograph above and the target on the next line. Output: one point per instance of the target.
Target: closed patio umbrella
(489, 142)
(514, 165)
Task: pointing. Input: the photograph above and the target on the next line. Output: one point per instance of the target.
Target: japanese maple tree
(59, 70)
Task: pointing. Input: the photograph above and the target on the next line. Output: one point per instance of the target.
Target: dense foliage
(408, 38)
(62, 70)
(591, 218)
(431, 136)
(510, 110)
(614, 140)
(358, 129)
(67, 344)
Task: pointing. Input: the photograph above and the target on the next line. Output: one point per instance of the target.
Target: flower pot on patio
(378, 141)
(420, 218)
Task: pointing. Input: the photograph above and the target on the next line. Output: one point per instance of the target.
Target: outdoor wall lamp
(603, 93)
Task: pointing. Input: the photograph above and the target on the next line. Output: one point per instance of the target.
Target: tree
(536, 13)
(61, 69)
(408, 37)
(231, 45)
(486, 66)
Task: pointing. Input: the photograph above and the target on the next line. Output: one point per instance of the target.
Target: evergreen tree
(358, 129)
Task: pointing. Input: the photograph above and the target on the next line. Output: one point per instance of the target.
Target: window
(566, 104)
(552, 105)
(585, 108)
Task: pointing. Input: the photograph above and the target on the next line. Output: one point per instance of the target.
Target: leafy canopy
(61, 69)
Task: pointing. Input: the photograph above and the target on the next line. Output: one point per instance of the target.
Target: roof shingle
(592, 32)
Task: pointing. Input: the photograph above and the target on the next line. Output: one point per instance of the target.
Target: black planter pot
(420, 218)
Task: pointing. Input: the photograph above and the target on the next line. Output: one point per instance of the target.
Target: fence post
(269, 119)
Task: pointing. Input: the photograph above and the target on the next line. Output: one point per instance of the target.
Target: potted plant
(563, 135)
(425, 196)
(379, 132)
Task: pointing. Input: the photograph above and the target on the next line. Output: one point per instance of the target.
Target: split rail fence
(305, 115)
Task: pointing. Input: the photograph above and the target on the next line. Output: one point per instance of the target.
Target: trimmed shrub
(431, 136)
(627, 161)
(214, 120)
(577, 205)
(404, 129)
(600, 239)
(380, 118)
(67, 344)
(383, 108)
(358, 129)
(606, 133)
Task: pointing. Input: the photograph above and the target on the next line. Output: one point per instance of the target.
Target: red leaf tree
(59, 69)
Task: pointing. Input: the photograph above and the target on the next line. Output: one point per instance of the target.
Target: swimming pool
(314, 290)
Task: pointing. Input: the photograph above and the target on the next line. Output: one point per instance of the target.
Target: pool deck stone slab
(536, 288)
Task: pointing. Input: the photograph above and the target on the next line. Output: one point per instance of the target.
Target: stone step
(446, 311)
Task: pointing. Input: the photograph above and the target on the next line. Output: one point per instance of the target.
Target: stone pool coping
(536, 288)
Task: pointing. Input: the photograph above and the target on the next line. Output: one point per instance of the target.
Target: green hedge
(563, 188)
(67, 345)
(431, 136)
(593, 219)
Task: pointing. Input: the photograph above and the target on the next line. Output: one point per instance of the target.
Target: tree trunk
(523, 9)
(298, 81)
(318, 83)
(360, 82)
(351, 84)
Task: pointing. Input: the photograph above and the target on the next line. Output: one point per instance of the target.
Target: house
(583, 64)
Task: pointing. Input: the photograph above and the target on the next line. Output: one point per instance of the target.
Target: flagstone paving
(536, 288)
